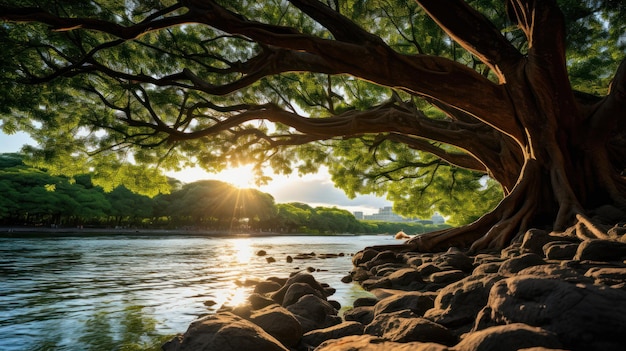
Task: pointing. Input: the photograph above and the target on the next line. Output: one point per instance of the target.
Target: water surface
(115, 292)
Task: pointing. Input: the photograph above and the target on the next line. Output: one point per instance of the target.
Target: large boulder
(318, 336)
(601, 250)
(302, 277)
(513, 265)
(415, 301)
(296, 290)
(510, 337)
(224, 332)
(405, 326)
(584, 316)
(372, 343)
(314, 313)
(406, 279)
(458, 304)
(361, 314)
(279, 323)
(364, 256)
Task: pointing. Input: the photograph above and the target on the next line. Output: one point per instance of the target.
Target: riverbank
(110, 292)
(545, 292)
(46, 231)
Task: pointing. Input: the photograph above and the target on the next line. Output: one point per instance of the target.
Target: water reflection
(116, 293)
(243, 250)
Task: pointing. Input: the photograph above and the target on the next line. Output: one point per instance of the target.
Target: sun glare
(243, 250)
(241, 177)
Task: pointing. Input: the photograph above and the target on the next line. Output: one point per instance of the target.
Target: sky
(313, 189)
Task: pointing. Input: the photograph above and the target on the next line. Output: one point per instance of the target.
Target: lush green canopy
(420, 100)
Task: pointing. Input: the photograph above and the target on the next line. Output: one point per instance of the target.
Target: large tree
(435, 93)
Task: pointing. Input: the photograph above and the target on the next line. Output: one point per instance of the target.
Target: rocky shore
(545, 292)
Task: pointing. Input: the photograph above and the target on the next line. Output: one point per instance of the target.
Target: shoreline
(15, 231)
(544, 292)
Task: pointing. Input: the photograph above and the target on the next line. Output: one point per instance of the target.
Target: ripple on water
(104, 291)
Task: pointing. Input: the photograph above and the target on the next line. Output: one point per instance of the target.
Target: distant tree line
(32, 197)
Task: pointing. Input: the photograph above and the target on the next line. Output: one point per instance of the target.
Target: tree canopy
(420, 100)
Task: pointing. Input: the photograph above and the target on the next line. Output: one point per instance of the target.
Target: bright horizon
(313, 189)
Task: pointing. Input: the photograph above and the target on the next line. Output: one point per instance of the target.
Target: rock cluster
(546, 292)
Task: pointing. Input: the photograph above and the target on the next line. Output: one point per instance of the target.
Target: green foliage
(102, 98)
(37, 197)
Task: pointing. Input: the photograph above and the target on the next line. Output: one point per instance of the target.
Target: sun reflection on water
(243, 250)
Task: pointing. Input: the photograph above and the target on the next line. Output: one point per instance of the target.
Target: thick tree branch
(474, 32)
(342, 28)
(57, 23)
(458, 159)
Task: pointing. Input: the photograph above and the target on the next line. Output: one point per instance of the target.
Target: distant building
(438, 219)
(386, 214)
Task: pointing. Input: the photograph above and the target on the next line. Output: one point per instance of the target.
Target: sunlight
(241, 177)
(238, 296)
(243, 250)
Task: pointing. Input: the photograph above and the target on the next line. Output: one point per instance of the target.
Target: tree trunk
(570, 169)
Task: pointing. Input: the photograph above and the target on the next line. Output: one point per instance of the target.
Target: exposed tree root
(585, 228)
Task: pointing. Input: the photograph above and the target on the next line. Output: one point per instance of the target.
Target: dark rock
(316, 337)
(382, 258)
(560, 250)
(556, 271)
(270, 259)
(511, 251)
(376, 283)
(534, 241)
(427, 269)
(386, 269)
(417, 260)
(335, 304)
(456, 260)
(361, 314)
(346, 279)
(243, 311)
(266, 287)
(279, 323)
(415, 301)
(458, 303)
(488, 267)
(224, 332)
(258, 301)
(296, 290)
(300, 277)
(405, 277)
(447, 277)
(486, 258)
(601, 250)
(364, 256)
(607, 275)
(516, 264)
(261, 253)
(584, 316)
(405, 326)
(314, 313)
(365, 301)
(510, 337)
(329, 291)
(373, 343)
(280, 281)
(289, 259)
(360, 274)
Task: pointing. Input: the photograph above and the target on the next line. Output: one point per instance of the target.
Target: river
(131, 292)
